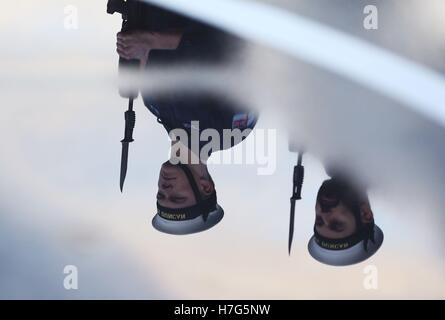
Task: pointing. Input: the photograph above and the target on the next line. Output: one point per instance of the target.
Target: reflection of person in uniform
(186, 198)
(344, 231)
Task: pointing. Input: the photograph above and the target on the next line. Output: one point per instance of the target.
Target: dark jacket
(206, 46)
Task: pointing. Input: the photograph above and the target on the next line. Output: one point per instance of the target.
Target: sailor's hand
(135, 45)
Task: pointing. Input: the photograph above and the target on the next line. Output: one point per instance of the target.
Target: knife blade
(124, 163)
(298, 178)
(130, 121)
(291, 224)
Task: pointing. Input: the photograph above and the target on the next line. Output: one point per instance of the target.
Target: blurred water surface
(60, 203)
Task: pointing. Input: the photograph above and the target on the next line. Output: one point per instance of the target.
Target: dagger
(296, 195)
(130, 121)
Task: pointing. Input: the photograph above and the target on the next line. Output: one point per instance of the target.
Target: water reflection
(59, 169)
(198, 123)
(344, 229)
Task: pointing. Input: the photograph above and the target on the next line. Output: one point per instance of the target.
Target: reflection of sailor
(186, 198)
(344, 231)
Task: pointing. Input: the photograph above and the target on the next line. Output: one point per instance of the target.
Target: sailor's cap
(339, 256)
(170, 225)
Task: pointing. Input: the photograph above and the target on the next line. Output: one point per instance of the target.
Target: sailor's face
(337, 223)
(174, 190)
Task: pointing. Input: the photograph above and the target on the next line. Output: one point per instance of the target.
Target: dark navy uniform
(200, 45)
